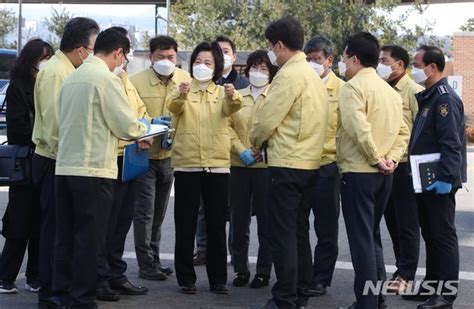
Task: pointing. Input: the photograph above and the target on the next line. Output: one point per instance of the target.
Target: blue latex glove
(246, 157)
(440, 187)
(163, 120)
(166, 142)
(146, 122)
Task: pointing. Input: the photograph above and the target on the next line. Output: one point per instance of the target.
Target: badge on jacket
(443, 109)
(425, 112)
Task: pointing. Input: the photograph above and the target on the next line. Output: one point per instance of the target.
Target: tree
(8, 23)
(146, 40)
(245, 20)
(56, 24)
(468, 26)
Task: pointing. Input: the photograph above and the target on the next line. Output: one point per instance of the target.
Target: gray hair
(318, 43)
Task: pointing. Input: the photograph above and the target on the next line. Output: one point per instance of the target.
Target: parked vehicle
(7, 61)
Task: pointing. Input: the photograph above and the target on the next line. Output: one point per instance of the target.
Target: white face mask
(88, 55)
(42, 64)
(318, 68)
(384, 71)
(227, 62)
(342, 68)
(258, 79)
(202, 73)
(118, 69)
(130, 55)
(419, 75)
(164, 67)
(273, 57)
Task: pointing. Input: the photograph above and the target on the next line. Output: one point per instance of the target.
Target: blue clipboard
(135, 163)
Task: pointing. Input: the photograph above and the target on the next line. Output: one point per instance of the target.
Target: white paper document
(415, 168)
(155, 130)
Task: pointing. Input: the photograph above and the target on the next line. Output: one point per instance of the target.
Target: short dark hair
(319, 43)
(122, 30)
(288, 30)
(434, 55)
(365, 47)
(77, 33)
(398, 53)
(217, 54)
(225, 39)
(110, 40)
(163, 42)
(26, 66)
(258, 57)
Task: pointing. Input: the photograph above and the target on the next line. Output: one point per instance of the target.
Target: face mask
(41, 65)
(118, 69)
(130, 55)
(88, 55)
(164, 67)
(342, 68)
(419, 75)
(273, 57)
(227, 62)
(258, 79)
(384, 71)
(202, 73)
(318, 68)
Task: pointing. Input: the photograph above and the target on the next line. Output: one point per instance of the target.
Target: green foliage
(8, 22)
(245, 20)
(468, 26)
(56, 24)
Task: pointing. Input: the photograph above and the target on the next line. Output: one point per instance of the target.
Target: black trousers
(111, 266)
(44, 179)
(248, 191)
(288, 230)
(325, 203)
(436, 214)
(364, 198)
(12, 256)
(82, 212)
(401, 216)
(214, 188)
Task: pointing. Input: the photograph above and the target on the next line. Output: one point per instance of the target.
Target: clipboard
(135, 163)
(417, 162)
(155, 130)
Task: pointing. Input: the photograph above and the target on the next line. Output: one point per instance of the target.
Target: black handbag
(15, 165)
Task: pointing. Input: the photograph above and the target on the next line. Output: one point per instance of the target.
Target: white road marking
(463, 275)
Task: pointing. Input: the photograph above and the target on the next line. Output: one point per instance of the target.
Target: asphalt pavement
(165, 294)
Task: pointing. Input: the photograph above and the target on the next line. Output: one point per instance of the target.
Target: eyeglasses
(88, 49)
(126, 60)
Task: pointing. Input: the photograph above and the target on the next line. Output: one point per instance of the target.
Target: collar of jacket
(195, 87)
(154, 79)
(247, 92)
(64, 59)
(402, 82)
(428, 93)
(332, 82)
(97, 61)
(230, 79)
(299, 57)
(366, 71)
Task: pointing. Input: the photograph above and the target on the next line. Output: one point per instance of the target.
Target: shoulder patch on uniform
(442, 89)
(443, 109)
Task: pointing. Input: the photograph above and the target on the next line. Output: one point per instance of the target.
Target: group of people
(286, 138)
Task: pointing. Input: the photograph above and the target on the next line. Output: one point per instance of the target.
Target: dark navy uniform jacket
(239, 81)
(440, 128)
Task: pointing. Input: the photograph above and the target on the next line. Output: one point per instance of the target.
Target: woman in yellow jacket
(201, 160)
(248, 179)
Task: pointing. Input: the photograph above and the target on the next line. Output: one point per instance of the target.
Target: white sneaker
(33, 287)
(8, 288)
